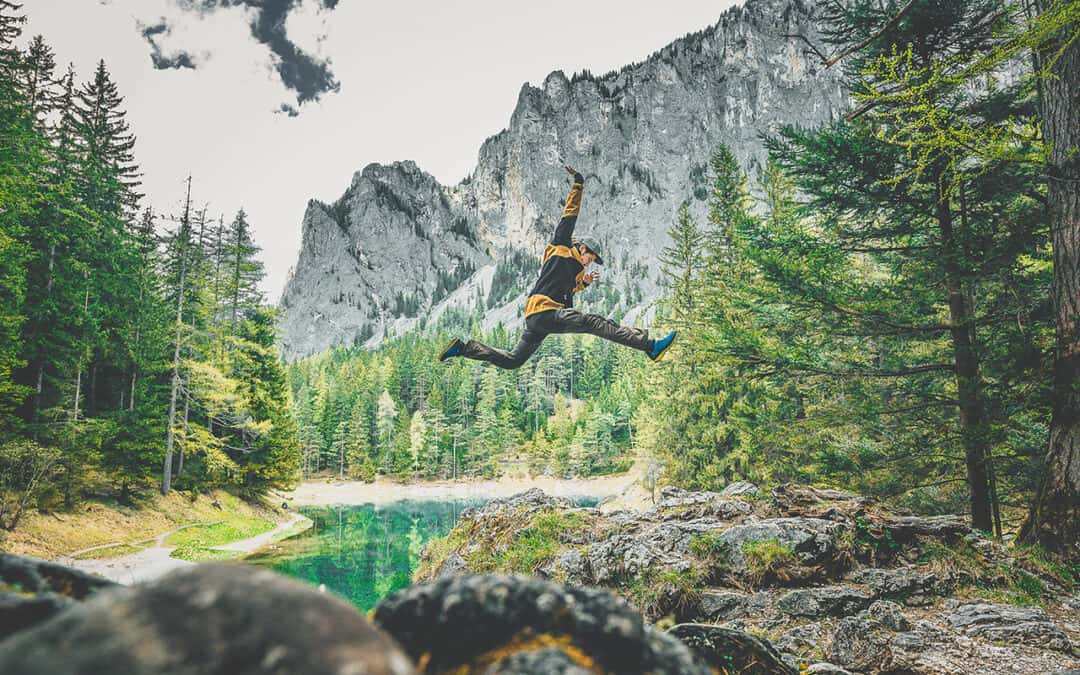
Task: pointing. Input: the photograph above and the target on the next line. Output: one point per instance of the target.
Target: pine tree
(245, 270)
(681, 262)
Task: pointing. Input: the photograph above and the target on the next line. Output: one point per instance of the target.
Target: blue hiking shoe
(660, 346)
(453, 349)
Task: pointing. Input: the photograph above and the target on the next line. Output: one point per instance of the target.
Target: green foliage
(417, 418)
(660, 593)
(88, 344)
(768, 559)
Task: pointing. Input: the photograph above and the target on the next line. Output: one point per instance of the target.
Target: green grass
(768, 559)
(520, 550)
(658, 594)
(109, 552)
(217, 534)
(193, 553)
(539, 542)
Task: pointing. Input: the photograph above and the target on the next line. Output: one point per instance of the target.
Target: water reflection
(363, 553)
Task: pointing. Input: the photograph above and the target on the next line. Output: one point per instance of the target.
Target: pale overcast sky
(213, 87)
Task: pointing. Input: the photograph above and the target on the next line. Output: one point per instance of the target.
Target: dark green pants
(540, 325)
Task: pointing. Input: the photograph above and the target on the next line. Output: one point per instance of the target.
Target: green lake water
(364, 553)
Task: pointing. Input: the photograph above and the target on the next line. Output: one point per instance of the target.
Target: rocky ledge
(797, 581)
(809, 580)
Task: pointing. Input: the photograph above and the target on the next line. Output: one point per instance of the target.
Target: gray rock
(826, 601)
(31, 575)
(643, 136)
(945, 528)
(684, 505)
(889, 615)
(813, 541)
(18, 612)
(39, 589)
(865, 641)
(1007, 623)
(732, 650)
(823, 668)
(549, 661)
(740, 488)
(454, 620)
(207, 619)
(453, 565)
(806, 642)
(715, 605)
(911, 585)
(859, 644)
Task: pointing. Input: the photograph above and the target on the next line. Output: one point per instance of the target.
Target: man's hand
(591, 277)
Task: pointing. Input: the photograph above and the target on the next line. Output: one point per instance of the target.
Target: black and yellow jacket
(562, 273)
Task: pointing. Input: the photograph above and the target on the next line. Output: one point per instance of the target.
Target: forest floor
(326, 492)
(101, 531)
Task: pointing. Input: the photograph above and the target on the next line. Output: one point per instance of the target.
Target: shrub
(768, 559)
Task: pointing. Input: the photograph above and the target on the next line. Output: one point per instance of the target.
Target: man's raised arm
(565, 231)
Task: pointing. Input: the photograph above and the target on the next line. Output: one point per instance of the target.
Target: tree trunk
(972, 419)
(187, 433)
(1054, 520)
(170, 438)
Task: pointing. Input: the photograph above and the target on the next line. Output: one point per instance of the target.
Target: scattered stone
(212, 619)
(806, 642)
(717, 605)
(864, 641)
(740, 488)
(824, 668)
(1008, 623)
(732, 651)
(676, 504)
(462, 621)
(908, 584)
(888, 614)
(826, 601)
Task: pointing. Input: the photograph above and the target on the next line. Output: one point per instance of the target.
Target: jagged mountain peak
(641, 134)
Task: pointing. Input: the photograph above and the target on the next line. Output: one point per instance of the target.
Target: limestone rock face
(850, 587)
(398, 245)
(206, 620)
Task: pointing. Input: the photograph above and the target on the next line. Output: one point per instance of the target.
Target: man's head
(588, 252)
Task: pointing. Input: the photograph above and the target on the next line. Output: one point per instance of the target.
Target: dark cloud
(286, 109)
(177, 60)
(305, 74)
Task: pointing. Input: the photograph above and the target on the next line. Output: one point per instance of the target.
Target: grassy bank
(131, 527)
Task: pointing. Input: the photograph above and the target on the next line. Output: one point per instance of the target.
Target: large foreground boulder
(206, 620)
(33, 590)
(503, 624)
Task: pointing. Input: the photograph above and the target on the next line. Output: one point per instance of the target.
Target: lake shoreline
(385, 491)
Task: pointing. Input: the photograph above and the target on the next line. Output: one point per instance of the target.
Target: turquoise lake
(364, 553)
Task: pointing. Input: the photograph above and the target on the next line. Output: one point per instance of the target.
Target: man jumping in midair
(549, 308)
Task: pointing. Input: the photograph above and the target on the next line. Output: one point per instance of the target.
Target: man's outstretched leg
(572, 321)
(478, 351)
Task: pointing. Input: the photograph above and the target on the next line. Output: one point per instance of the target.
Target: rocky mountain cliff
(399, 246)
